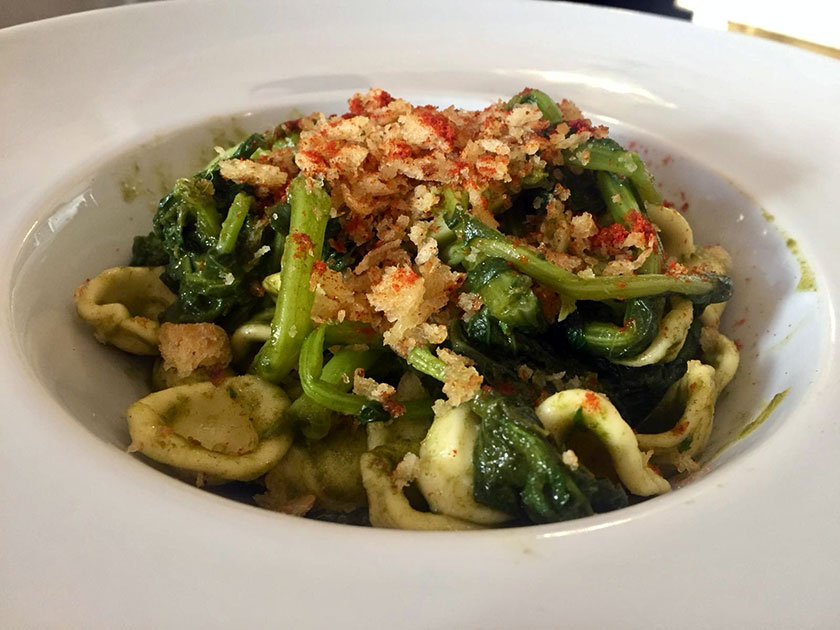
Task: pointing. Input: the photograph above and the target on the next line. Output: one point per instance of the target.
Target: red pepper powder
(437, 122)
(403, 277)
(303, 244)
(591, 402)
(610, 237)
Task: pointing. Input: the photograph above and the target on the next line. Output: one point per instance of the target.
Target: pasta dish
(423, 318)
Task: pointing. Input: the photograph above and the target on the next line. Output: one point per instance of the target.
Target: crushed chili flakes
(591, 402)
(642, 225)
(303, 243)
(394, 408)
(437, 122)
(579, 124)
(610, 237)
(402, 277)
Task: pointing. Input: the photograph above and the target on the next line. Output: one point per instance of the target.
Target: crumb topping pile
(385, 163)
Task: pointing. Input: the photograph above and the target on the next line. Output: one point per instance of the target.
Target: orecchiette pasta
(445, 468)
(565, 410)
(229, 431)
(669, 340)
(389, 507)
(327, 470)
(720, 352)
(692, 400)
(246, 336)
(123, 304)
(674, 230)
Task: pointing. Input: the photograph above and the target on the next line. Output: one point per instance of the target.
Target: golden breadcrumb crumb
(462, 380)
(254, 173)
(186, 347)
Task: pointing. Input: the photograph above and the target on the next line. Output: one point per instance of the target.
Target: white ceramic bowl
(739, 129)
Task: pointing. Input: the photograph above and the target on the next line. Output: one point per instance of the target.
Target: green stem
(331, 395)
(233, 223)
(607, 155)
(422, 360)
(641, 323)
(350, 333)
(310, 212)
(618, 197)
(601, 287)
(549, 109)
(316, 420)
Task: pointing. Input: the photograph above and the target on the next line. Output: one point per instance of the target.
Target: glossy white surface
(92, 537)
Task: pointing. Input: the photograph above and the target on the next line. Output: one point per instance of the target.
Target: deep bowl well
(774, 308)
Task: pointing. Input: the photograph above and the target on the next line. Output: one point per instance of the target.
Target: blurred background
(810, 24)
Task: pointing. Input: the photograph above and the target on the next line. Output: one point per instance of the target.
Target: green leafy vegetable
(506, 294)
(518, 470)
(516, 467)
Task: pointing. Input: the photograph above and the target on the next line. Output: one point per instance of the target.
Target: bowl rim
(721, 521)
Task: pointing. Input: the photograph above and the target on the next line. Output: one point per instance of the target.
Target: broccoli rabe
(506, 293)
(203, 265)
(519, 471)
(215, 241)
(549, 109)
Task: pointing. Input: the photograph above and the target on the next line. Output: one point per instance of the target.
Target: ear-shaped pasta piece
(327, 470)
(445, 469)
(244, 337)
(693, 397)
(230, 431)
(166, 377)
(561, 412)
(398, 429)
(389, 507)
(710, 317)
(721, 353)
(674, 230)
(711, 260)
(123, 304)
(673, 330)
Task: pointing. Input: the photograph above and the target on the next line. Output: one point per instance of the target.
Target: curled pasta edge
(388, 507)
(558, 414)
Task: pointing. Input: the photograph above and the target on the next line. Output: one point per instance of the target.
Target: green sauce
(130, 185)
(807, 280)
(129, 191)
(765, 413)
(752, 426)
